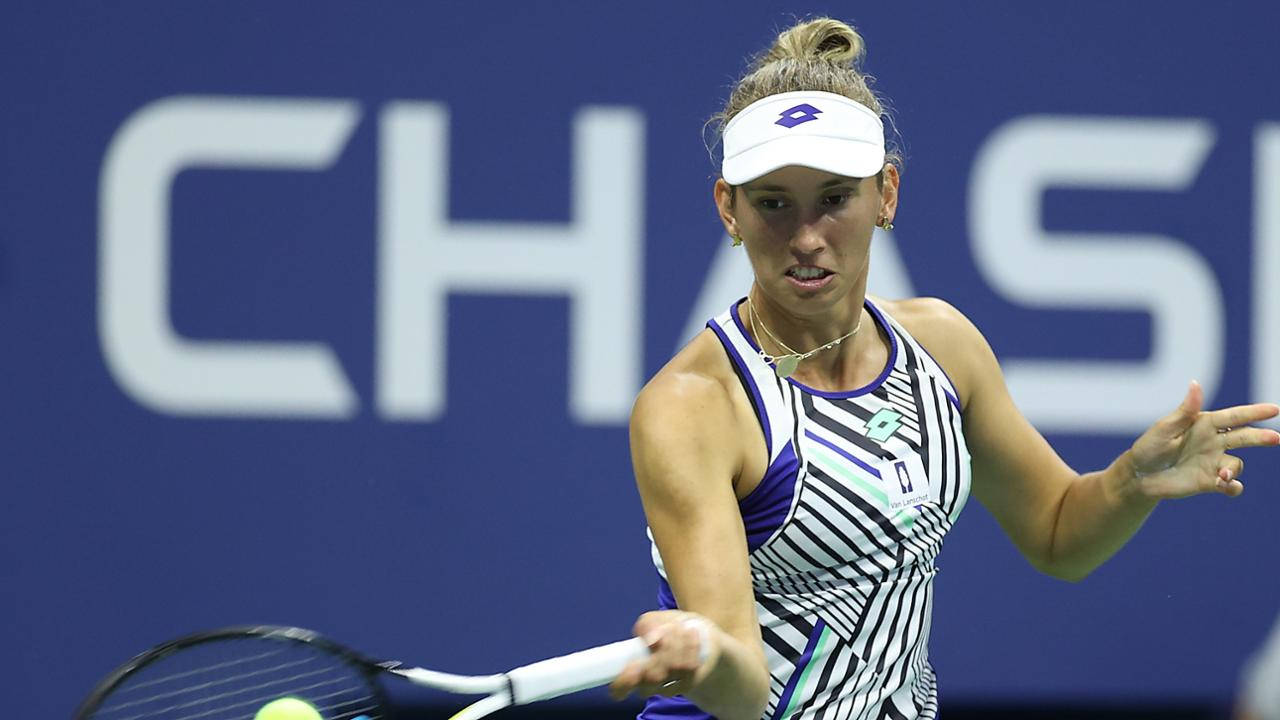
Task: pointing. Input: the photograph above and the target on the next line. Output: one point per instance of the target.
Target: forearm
(736, 686)
(1097, 515)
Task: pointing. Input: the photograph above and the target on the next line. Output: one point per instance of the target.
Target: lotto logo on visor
(778, 130)
(802, 113)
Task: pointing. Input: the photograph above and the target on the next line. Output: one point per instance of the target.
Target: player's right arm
(688, 451)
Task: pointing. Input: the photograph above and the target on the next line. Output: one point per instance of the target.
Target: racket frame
(367, 667)
(528, 683)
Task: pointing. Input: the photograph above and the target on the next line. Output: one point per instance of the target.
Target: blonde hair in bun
(821, 54)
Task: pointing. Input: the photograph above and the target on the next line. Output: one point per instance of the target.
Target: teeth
(807, 273)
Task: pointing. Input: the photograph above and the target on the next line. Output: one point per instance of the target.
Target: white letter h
(595, 259)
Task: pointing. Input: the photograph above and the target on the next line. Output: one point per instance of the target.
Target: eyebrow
(778, 188)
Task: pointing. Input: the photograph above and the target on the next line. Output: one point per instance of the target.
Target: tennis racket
(231, 673)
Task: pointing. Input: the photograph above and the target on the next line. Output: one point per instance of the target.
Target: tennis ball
(288, 708)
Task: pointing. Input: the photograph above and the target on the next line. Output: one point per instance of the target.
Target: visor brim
(840, 156)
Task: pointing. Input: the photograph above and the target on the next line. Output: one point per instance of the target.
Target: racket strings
(214, 683)
(134, 686)
(326, 710)
(231, 679)
(252, 703)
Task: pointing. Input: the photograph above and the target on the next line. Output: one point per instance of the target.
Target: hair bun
(819, 55)
(822, 39)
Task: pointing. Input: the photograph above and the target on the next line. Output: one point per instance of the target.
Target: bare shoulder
(693, 383)
(949, 336)
(929, 318)
(686, 426)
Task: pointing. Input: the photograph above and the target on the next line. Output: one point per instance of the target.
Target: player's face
(807, 232)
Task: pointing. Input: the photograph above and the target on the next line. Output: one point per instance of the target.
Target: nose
(807, 239)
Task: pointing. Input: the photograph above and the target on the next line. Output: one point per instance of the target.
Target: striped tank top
(843, 531)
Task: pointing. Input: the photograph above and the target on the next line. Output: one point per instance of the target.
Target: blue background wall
(506, 527)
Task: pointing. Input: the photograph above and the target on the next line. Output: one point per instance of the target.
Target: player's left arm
(1065, 523)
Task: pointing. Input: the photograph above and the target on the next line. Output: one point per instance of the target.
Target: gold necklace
(786, 364)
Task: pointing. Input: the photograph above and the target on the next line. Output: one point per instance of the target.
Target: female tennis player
(802, 459)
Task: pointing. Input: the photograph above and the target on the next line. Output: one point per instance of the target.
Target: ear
(723, 193)
(889, 192)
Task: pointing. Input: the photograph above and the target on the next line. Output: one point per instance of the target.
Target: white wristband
(704, 637)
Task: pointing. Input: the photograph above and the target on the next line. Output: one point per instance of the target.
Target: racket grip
(573, 672)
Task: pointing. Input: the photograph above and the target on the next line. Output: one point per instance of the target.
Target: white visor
(819, 130)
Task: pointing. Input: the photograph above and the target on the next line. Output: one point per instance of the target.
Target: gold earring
(737, 241)
(884, 224)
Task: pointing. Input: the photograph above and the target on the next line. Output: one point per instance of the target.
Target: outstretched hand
(1186, 452)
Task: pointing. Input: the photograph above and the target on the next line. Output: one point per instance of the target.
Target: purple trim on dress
(954, 400)
(666, 598)
(661, 707)
(801, 663)
(745, 371)
(765, 508)
(888, 368)
(823, 441)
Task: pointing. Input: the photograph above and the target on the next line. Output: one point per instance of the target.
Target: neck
(825, 341)
(804, 332)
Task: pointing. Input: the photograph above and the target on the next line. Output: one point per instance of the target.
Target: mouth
(809, 277)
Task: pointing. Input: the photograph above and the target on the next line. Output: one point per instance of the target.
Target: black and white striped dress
(843, 532)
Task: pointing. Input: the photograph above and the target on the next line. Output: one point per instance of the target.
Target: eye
(771, 203)
(836, 199)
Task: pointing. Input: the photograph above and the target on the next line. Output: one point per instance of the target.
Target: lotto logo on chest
(881, 426)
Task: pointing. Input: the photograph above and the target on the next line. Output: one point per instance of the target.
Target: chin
(812, 299)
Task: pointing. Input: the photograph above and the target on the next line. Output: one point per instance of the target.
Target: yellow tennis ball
(288, 708)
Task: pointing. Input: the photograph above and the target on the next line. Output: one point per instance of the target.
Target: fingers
(1245, 437)
(1230, 468)
(1229, 472)
(1187, 411)
(652, 621)
(1194, 401)
(645, 678)
(1233, 417)
(678, 646)
(628, 680)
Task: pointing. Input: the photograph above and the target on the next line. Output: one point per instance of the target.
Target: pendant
(786, 365)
